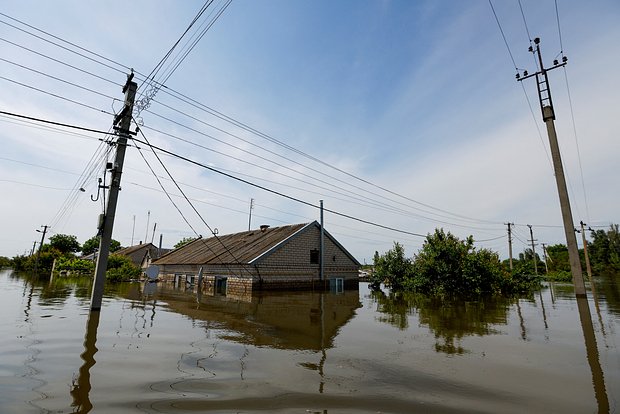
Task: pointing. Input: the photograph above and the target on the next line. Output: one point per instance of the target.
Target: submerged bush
(447, 265)
(121, 268)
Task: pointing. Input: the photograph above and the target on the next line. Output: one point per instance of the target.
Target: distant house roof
(139, 252)
(246, 247)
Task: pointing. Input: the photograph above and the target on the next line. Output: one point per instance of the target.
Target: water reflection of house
(286, 320)
(286, 257)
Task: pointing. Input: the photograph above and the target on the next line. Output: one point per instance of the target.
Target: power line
(214, 233)
(360, 198)
(60, 62)
(34, 185)
(503, 36)
(125, 68)
(56, 95)
(273, 191)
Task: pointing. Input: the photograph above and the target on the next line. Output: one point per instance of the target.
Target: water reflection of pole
(323, 354)
(598, 379)
(521, 322)
(542, 305)
(80, 390)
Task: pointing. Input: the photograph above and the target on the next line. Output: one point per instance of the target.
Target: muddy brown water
(154, 348)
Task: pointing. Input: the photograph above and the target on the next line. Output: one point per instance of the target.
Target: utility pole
(585, 251)
(510, 244)
(148, 219)
(322, 246)
(546, 106)
(250, 219)
(533, 249)
(544, 246)
(133, 230)
(124, 118)
(34, 244)
(36, 261)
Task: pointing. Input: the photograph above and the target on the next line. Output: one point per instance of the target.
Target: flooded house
(143, 254)
(285, 257)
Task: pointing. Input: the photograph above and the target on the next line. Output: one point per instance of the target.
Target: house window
(314, 256)
(336, 285)
(221, 285)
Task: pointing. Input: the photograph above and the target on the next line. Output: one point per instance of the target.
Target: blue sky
(417, 97)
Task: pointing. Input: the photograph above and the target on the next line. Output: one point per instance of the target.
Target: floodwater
(158, 349)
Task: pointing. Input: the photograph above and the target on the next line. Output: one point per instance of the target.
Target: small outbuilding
(286, 257)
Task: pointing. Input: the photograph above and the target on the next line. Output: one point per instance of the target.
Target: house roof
(126, 251)
(246, 247)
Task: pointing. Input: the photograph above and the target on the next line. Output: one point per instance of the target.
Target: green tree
(5, 262)
(184, 241)
(121, 268)
(92, 245)
(604, 250)
(64, 243)
(446, 264)
(392, 268)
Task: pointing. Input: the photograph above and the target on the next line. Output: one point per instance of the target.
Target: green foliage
(19, 262)
(605, 250)
(446, 264)
(64, 243)
(92, 245)
(184, 241)
(392, 268)
(559, 276)
(121, 268)
(73, 265)
(5, 262)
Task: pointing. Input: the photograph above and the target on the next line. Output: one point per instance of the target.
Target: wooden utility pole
(123, 119)
(585, 251)
(533, 249)
(510, 244)
(546, 105)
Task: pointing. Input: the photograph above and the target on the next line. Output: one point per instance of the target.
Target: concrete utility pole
(34, 244)
(250, 219)
(546, 106)
(585, 251)
(544, 246)
(124, 117)
(533, 249)
(36, 261)
(510, 244)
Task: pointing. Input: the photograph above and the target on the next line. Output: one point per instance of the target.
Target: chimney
(264, 227)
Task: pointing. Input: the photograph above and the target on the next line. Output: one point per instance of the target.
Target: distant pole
(161, 238)
(33, 246)
(533, 249)
(322, 247)
(36, 261)
(148, 219)
(546, 105)
(133, 230)
(510, 244)
(153, 235)
(250, 219)
(544, 247)
(585, 251)
(124, 117)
